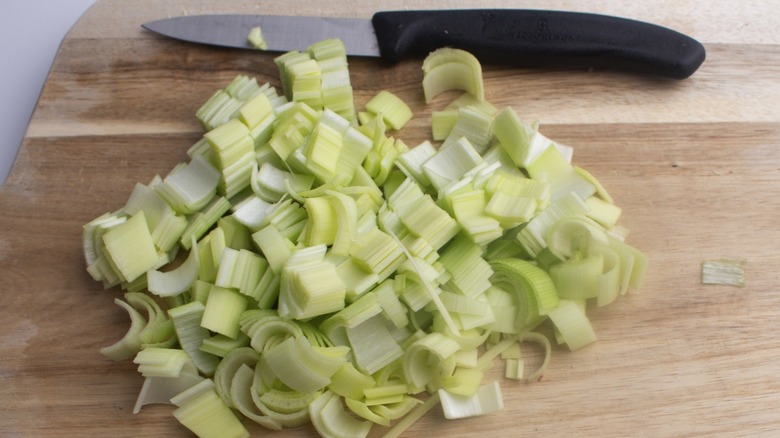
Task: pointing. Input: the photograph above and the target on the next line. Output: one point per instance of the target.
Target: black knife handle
(538, 38)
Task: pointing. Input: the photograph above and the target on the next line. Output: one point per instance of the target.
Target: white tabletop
(30, 34)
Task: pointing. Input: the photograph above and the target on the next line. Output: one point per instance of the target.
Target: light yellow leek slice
(393, 110)
(186, 321)
(130, 344)
(227, 368)
(255, 38)
(332, 421)
(130, 248)
(242, 394)
(206, 415)
(424, 358)
(531, 286)
(486, 400)
(350, 383)
(302, 367)
(452, 69)
(723, 271)
(573, 325)
(177, 281)
(223, 309)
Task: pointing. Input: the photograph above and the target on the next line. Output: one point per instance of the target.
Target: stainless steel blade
(281, 32)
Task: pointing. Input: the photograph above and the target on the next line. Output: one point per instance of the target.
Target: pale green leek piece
(723, 271)
(306, 266)
(256, 39)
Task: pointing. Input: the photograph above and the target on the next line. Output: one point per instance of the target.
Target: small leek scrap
(256, 39)
(723, 271)
(305, 266)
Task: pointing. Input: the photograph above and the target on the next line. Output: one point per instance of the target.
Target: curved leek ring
(452, 69)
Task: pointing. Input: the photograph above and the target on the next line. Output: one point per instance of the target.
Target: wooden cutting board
(695, 164)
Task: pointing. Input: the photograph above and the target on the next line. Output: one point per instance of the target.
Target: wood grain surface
(695, 164)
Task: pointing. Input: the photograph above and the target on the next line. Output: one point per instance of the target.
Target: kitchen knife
(527, 38)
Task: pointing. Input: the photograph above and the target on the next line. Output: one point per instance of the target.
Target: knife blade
(518, 37)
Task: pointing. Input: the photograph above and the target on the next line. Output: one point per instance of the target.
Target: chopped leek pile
(307, 266)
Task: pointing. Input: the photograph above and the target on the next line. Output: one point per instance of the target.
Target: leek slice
(451, 69)
(464, 381)
(302, 367)
(227, 368)
(190, 187)
(542, 340)
(394, 411)
(206, 415)
(256, 111)
(533, 289)
(533, 237)
(310, 286)
(160, 390)
(372, 344)
(392, 109)
(603, 212)
(163, 362)
(242, 391)
(145, 198)
(255, 38)
(267, 329)
(233, 149)
(274, 246)
(573, 234)
(201, 221)
(186, 321)
(357, 280)
(411, 162)
(577, 278)
(451, 163)
(378, 253)
(414, 414)
(350, 383)
(222, 311)
(331, 421)
(514, 136)
(487, 399)
(159, 329)
(221, 345)
(572, 323)
(473, 124)
(286, 408)
(130, 344)
(345, 209)
(130, 248)
(723, 271)
(423, 360)
(363, 410)
(177, 281)
(92, 244)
